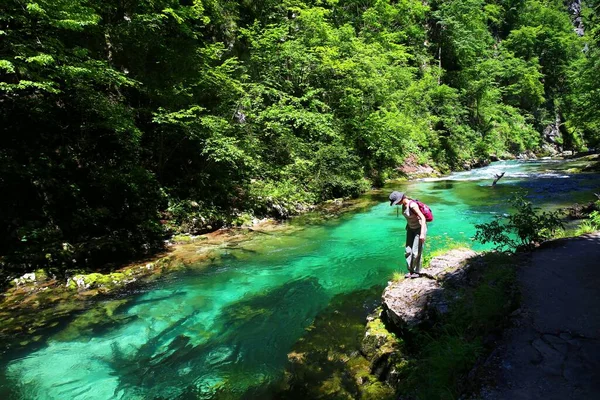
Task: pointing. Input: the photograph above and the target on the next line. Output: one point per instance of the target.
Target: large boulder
(405, 302)
(411, 302)
(412, 169)
(449, 266)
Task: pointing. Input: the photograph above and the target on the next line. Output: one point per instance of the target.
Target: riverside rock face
(381, 349)
(405, 302)
(411, 302)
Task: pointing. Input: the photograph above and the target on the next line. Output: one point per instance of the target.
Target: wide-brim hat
(396, 197)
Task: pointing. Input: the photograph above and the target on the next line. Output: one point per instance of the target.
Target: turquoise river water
(229, 327)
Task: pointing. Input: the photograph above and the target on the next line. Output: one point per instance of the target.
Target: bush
(522, 230)
(595, 219)
(590, 225)
(195, 217)
(337, 173)
(107, 215)
(279, 199)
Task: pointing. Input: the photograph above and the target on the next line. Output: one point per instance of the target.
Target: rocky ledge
(411, 303)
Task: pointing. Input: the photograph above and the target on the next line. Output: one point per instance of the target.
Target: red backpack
(425, 210)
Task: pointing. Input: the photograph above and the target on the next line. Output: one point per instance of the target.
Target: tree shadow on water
(243, 352)
(326, 362)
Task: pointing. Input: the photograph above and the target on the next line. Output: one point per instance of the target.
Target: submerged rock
(382, 349)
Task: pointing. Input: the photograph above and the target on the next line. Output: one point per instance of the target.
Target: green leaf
(7, 66)
(40, 59)
(35, 9)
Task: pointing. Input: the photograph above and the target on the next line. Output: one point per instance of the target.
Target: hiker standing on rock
(416, 231)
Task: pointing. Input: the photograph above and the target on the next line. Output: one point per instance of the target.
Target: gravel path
(553, 349)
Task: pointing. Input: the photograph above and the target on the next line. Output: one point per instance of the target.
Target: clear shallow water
(229, 327)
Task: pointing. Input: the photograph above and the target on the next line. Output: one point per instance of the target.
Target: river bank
(490, 326)
(431, 332)
(37, 303)
(243, 309)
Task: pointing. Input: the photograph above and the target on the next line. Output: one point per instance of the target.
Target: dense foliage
(590, 224)
(521, 230)
(123, 118)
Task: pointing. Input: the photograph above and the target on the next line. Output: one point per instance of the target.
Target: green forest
(125, 121)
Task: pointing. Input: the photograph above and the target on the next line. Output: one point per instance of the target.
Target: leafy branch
(523, 230)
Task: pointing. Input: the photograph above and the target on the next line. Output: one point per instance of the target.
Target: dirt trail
(553, 349)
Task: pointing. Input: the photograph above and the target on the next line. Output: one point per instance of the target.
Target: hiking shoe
(412, 275)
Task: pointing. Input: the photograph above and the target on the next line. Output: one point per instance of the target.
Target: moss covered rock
(376, 337)
(102, 315)
(100, 281)
(383, 350)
